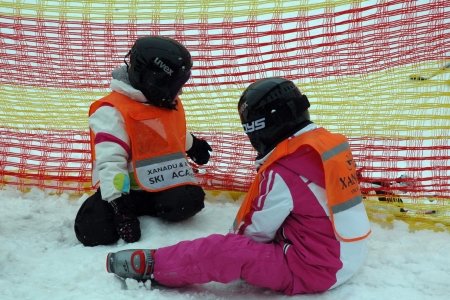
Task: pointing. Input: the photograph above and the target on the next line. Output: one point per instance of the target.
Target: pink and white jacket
(288, 210)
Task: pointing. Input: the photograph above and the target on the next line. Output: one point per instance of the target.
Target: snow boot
(133, 263)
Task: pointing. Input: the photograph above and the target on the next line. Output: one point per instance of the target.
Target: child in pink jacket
(302, 227)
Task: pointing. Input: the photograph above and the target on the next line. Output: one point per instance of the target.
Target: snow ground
(40, 257)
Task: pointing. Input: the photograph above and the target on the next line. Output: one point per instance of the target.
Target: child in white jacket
(140, 146)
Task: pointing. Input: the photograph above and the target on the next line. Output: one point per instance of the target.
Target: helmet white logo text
(243, 107)
(254, 125)
(163, 66)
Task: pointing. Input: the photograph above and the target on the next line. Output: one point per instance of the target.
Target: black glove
(127, 223)
(199, 151)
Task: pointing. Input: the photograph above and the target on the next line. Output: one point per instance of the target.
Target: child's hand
(127, 223)
(199, 151)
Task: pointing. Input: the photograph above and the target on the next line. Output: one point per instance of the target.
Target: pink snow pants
(224, 258)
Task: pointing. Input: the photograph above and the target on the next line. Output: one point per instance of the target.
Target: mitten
(199, 151)
(127, 223)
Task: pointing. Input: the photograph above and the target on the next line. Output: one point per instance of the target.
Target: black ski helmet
(159, 67)
(271, 110)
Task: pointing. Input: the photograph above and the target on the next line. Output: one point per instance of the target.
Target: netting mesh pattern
(353, 59)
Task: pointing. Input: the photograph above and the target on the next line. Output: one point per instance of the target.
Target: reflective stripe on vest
(346, 210)
(158, 142)
(155, 173)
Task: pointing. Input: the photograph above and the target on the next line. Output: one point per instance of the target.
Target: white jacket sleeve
(270, 208)
(189, 140)
(112, 149)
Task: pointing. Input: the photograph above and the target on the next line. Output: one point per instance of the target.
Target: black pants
(94, 223)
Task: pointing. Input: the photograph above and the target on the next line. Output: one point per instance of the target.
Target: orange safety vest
(347, 212)
(158, 142)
